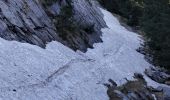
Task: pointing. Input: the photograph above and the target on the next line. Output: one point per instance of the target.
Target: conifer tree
(156, 24)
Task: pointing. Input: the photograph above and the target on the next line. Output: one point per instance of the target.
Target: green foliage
(130, 9)
(64, 22)
(156, 24)
(69, 30)
(153, 16)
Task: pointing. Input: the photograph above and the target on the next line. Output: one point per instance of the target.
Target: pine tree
(156, 24)
(129, 9)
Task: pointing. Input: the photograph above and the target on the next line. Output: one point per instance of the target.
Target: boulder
(136, 90)
(166, 91)
(158, 75)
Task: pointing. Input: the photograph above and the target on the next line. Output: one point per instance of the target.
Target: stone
(158, 75)
(136, 90)
(24, 20)
(138, 76)
(166, 91)
(29, 21)
(89, 19)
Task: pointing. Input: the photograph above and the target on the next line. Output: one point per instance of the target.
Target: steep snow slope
(28, 72)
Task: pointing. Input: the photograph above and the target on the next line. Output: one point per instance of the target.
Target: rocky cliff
(29, 21)
(28, 72)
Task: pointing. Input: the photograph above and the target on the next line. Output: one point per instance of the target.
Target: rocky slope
(27, 21)
(28, 72)
(136, 90)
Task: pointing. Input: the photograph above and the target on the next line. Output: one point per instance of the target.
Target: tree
(129, 9)
(156, 25)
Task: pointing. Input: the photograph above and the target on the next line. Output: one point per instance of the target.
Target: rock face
(89, 19)
(27, 21)
(158, 75)
(135, 90)
(89, 14)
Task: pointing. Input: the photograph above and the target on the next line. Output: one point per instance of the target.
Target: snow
(28, 72)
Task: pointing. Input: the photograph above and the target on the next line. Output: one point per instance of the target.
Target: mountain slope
(28, 21)
(28, 72)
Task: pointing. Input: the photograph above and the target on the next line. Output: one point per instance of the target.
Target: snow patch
(28, 72)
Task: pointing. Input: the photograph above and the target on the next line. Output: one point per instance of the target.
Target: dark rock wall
(27, 21)
(88, 18)
(89, 15)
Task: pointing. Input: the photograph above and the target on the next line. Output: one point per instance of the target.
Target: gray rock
(27, 21)
(136, 90)
(132, 96)
(138, 76)
(89, 17)
(121, 95)
(157, 75)
(166, 91)
(86, 14)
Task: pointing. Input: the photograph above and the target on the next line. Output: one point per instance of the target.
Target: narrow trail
(64, 68)
(50, 78)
